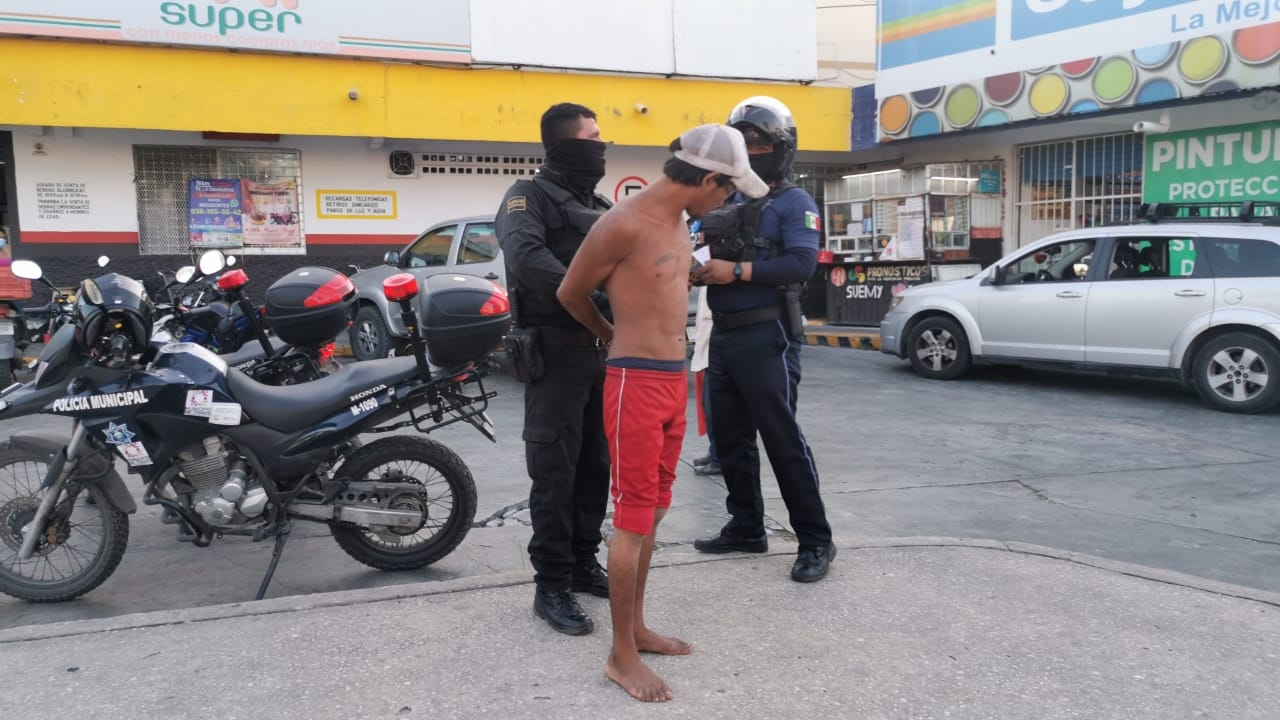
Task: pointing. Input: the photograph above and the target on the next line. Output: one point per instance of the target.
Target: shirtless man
(640, 252)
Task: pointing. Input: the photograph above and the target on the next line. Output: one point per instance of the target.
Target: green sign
(1213, 165)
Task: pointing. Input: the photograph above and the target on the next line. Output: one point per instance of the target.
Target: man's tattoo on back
(669, 257)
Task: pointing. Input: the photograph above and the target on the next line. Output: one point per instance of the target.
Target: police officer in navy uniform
(763, 250)
(540, 225)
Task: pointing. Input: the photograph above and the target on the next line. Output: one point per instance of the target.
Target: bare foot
(651, 642)
(638, 680)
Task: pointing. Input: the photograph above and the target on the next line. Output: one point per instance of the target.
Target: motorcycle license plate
(6, 327)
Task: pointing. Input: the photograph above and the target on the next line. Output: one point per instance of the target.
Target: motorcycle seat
(290, 408)
(251, 350)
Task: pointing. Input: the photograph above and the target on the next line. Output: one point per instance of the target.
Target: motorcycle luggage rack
(445, 401)
(1265, 212)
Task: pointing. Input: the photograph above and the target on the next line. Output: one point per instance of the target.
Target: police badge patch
(515, 204)
(812, 221)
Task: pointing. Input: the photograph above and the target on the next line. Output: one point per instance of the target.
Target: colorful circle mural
(1161, 73)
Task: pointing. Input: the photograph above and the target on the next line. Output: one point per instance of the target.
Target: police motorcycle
(223, 454)
(201, 308)
(298, 352)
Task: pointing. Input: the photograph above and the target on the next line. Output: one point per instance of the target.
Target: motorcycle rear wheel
(88, 544)
(442, 487)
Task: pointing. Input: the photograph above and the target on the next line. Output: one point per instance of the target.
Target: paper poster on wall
(271, 214)
(214, 213)
(911, 229)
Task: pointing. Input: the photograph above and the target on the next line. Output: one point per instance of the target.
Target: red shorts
(644, 419)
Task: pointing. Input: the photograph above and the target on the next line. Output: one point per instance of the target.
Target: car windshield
(432, 249)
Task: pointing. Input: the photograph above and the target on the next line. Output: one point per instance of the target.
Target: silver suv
(1195, 299)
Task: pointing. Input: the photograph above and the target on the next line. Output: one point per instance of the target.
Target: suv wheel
(938, 349)
(369, 337)
(1238, 372)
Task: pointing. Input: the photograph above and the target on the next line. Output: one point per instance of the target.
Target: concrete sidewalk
(902, 628)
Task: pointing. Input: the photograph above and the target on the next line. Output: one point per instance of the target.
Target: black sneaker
(704, 460)
(591, 579)
(813, 562)
(708, 470)
(726, 543)
(562, 612)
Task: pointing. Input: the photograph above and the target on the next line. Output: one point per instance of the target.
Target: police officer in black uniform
(540, 225)
(763, 250)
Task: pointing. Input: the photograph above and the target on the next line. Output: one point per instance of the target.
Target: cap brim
(751, 185)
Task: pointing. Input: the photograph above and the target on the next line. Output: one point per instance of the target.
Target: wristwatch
(737, 270)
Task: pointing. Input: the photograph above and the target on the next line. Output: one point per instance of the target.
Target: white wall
(103, 161)
(764, 39)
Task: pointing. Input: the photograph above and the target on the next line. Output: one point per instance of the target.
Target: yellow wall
(76, 84)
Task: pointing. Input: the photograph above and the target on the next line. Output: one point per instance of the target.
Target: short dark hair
(561, 122)
(682, 173)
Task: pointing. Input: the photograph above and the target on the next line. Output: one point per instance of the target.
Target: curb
(302, 603)
(852, 339)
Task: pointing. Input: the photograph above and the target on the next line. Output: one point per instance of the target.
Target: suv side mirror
(392, 258)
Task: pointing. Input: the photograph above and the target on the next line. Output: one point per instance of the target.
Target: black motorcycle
(226, 455)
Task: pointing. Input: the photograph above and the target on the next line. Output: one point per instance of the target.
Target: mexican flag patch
(812, 222)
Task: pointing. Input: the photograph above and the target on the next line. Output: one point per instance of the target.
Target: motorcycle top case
(463, 318)
(310, 305)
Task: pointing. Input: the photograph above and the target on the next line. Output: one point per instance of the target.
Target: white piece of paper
(224, 413)
(198, 402)
(702, 254)
(135, 453)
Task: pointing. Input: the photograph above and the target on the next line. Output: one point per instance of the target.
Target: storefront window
(1087, 182)
(271, 179)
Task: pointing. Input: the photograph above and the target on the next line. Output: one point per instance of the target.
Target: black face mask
(580, 161)
(763, 165)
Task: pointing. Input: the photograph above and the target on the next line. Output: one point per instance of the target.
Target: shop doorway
(8, 188)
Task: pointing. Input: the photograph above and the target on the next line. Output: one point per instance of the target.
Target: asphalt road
(1132, 470)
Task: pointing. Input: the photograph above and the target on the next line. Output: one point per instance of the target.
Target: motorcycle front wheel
(425, 476)
(82, 542)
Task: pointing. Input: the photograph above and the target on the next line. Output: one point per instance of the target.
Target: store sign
(356, 204)
(1054, 58)
(1214, 165)
(860, 294)
(271, 216)
(437, 31)
(1033, 18)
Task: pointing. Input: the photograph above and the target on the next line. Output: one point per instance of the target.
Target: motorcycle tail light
(497, 304)
(325, 353)
(4, 310)
(233, 280)
(402, 286)
(330, 293)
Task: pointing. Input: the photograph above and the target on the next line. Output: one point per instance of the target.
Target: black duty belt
(568, 337)
(754, 316)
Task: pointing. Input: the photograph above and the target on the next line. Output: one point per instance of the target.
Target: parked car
(463, 245)
(1194, 299)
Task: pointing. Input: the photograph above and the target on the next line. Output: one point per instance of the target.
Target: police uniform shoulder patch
(812, 221)
(516, 204)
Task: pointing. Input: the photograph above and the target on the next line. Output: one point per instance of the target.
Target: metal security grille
(1086, 182)
(162, 174)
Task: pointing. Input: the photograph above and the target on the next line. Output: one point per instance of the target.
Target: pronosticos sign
(1214, 165)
